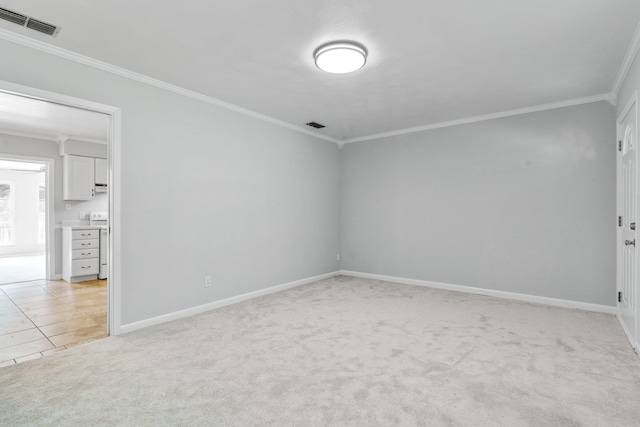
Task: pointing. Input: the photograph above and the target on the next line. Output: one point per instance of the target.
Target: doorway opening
(23, 221)
(76, 299)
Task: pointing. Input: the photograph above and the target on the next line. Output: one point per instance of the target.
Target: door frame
(49, 177)
(619, 135)
(114, 144)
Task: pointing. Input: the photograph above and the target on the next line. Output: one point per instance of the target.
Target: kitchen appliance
(101, 219)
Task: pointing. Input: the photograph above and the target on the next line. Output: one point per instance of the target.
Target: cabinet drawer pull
(85, 253)
(83, 267)
(85, 244)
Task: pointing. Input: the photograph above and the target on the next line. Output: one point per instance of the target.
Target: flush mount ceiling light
(340, 57)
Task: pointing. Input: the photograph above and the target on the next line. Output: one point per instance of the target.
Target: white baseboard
(222, 303)
(488, 292)
(631, 338)
(458, 288)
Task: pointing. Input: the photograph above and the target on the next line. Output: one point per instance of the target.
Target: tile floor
(42, 316)
(22, 268)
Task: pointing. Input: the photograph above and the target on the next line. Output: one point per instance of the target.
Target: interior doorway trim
(49, 177)
(632, 331)
(114, 150)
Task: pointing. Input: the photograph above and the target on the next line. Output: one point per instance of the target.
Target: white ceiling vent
(26, 21)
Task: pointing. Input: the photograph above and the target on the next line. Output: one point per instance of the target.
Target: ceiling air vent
(26, 21)
(315, 125)
(14, 17)
(43, 27)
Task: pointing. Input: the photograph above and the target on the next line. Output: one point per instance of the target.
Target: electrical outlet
(68, 206)
(337, 257)
(207, 281)
(82, 215)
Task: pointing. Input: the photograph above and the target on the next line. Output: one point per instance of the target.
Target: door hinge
(619, 296)
(619, 221)
(620, 145)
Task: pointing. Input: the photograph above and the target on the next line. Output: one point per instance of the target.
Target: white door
(627, 219)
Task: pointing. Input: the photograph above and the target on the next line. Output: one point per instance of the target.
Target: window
(6, 214)
(41, 214)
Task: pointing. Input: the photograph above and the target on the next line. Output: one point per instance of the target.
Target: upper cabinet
(102, 172)
(81, 175)
(78, 175)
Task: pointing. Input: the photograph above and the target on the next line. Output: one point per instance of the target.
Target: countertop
(84, 227)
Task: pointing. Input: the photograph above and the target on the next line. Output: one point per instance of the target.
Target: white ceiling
(21, 166)
(429, 61)
(31, 117)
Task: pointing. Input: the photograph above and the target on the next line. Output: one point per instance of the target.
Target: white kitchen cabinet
(80, 253)
(102, 172)
(78, 178)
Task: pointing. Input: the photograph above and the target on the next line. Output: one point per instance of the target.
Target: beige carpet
(342, 352)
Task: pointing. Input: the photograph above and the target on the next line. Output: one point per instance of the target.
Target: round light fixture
(340, 57)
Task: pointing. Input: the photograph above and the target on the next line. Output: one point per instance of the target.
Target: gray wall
(523, 204)
(205, 191)
(22, 146)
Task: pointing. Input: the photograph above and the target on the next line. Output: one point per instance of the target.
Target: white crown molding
(87, 139)
(50, 137)
(122, 72)
(630, 56)
(585, 306)
(569, 103)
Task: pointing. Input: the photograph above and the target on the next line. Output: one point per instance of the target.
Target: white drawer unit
(85, 253)
(82, 267)
(85, 234)
(85, 244)
(80, 253)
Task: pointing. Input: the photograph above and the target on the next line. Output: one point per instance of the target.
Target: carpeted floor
(342, 352)
(22, 268)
